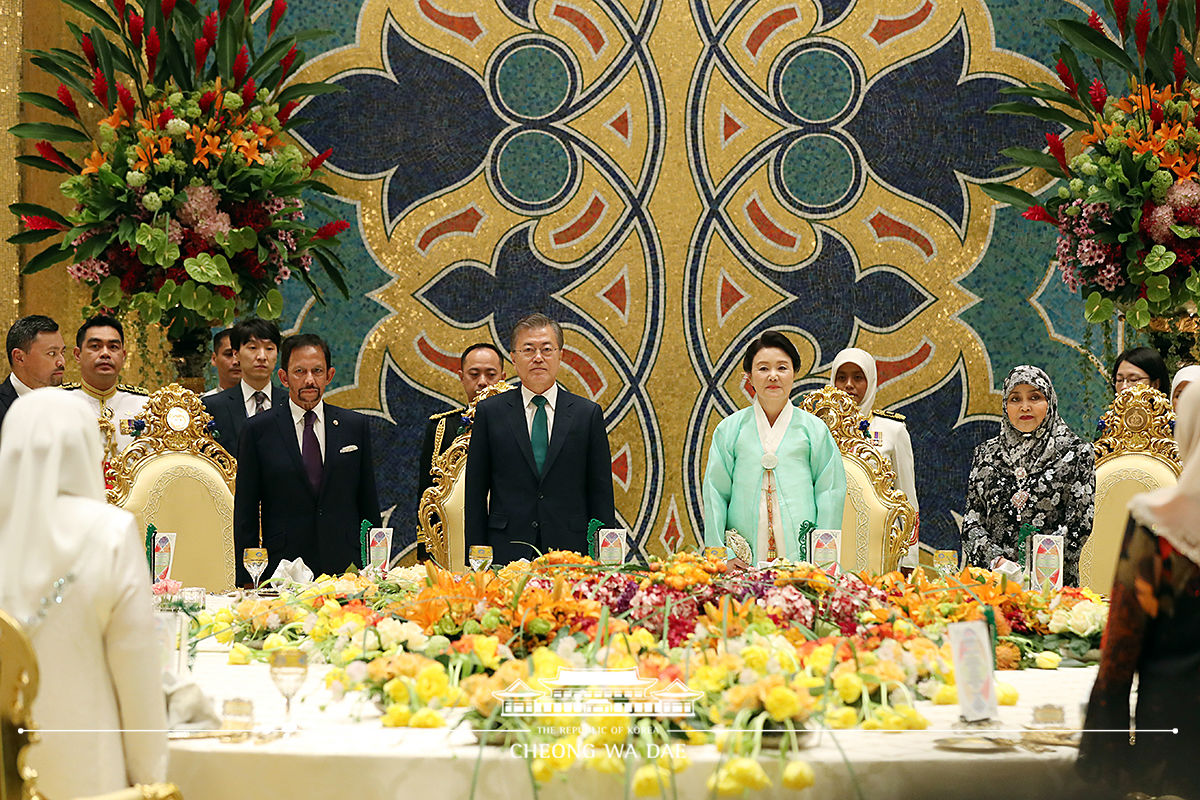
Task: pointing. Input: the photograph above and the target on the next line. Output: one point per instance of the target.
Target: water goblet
(289, 667)
(479, 557)
(254, 559)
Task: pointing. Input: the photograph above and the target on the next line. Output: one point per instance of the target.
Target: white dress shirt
(21, 388)
(248, 398)
(318, 426)
(551, 396)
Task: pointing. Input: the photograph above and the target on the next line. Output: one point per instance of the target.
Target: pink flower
(167, 587)
(1183, 193)
(201, 203)
(1158, 223)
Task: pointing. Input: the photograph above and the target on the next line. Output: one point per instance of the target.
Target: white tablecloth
(341, 749)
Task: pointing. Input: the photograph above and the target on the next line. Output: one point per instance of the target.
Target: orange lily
(93, 163)
(206, 145)
(249, 149)
(146, 155)
(1184, 168)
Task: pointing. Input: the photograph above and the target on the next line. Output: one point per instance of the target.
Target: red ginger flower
(1121, 8)
(89, 50)
(210, 30)
(48, 152)
(1162, 9)
(1179, 64)
(201, 53)
(248, 91)
(64, 97)
(331, 229)
(119, 5)
(286, 112)
(240, 65)
(247, 7)
(1099, 94)
(285, 64)
(1068, 80)
(152, 47)
(36, 223)
(126, 100)
(1141, 30)
(1056, 149)
(206, 100)
(277, 10)
(1039, 214)
(100, 88)
(167, 7)
(223, 8)
(165, 116)
(317, 161)
(136, 23)
(1094, 22)
(1156, 114)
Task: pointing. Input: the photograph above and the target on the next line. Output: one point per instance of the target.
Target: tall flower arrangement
(1127, 205)
(186, 197)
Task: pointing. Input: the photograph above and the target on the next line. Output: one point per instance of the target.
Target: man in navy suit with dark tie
(539, 468)
(306, 467)
(256, 343)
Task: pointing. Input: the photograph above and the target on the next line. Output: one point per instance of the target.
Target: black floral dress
(1045, 478)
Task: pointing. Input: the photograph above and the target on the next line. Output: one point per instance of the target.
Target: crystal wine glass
(289, 667)
(254, 559)
(480, 557)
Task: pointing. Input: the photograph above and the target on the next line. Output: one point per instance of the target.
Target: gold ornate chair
(176, 477)
(878, 520)
(18, 689)
(440, 516)
(1135, 453)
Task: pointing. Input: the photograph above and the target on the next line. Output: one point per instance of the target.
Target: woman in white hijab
(853, 372)
(1153, 630)
(74, 574)
(1182, 378)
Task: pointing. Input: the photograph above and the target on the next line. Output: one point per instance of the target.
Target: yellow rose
(567, 748)
(782, 703)
(756, 658)
(432, 682)
(609, 765)
(1047, 659)
(707, 678)
(320, 632)
(803, 681)
(946, 695)
(224, 614)
(426, 718)
(1006, 694)
(698, 737)
(396, 716)
(913, 719)
(542, 771)
(849, 687)
(651, 780)
(240, 654)
(787, 660)
(675, 763)
(546, 663)
(891, 721)
(840, 718)
(350, 652)
(872, 723)
(274, 641)
(397, 690)
(818, 660)
(798, 775)
(723, 783)
(222, 631)
(642, 639)
(748, 773)
(487, 647)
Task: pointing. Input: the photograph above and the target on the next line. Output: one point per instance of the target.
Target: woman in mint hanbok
(772, 467)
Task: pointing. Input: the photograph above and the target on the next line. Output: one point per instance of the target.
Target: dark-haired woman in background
(1140, 365)
(772, 466)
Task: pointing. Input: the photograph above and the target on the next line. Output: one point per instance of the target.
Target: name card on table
(379, 548)
(971, 650)
(1046, 554)
(611, 547)
(823, 549)
(164, 555)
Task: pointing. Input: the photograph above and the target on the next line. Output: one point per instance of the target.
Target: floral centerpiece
(185, 194)
(1127, 205)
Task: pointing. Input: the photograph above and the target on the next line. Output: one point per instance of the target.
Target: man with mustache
(36, 355)
(100, 352)
(306, 468)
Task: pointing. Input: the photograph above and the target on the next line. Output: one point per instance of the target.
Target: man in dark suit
(306, 467)
(256, 342)
(36, 355)
(541, 452)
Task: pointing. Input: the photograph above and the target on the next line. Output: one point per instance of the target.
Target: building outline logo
(598, 692)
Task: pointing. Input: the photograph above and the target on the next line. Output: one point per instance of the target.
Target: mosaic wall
(670, 178)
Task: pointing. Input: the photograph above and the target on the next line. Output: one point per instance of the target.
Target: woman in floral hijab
(1037, 471)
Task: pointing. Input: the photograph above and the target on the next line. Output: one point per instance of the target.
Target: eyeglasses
(1124, 381)
(546, 351)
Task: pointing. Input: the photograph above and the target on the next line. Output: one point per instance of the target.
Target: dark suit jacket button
(541, 497)
(535, 523)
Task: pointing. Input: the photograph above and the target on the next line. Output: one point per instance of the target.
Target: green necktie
(539, 437)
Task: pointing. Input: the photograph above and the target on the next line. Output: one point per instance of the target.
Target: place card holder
(971, 650)
(164, 555)
(612, 547)
(823, 549)
(1045, 559)
(379, 549)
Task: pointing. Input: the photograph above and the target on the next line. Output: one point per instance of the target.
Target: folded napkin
(188, 708)
(292, 572)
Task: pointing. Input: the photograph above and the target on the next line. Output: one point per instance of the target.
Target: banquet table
(341, 748)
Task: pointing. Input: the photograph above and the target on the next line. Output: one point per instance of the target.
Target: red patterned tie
(311, 451)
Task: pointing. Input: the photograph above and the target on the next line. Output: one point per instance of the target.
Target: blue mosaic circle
(818, 171)
(533, 169)
(533, 80)
(816, 84)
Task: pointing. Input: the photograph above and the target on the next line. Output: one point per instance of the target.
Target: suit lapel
(562, 423)
(520, 428)
(286, 428)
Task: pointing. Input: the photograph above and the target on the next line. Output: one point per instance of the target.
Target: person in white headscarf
(1182, 378)
(853, 372)
(1153, 631)
(74, 574)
